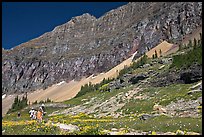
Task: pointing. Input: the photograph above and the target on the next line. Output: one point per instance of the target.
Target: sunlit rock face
(86, 45)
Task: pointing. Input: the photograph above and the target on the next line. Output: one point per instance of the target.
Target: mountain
(150, 96)
(85, 45)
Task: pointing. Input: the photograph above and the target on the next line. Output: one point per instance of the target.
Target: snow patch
(3, 96)
(133, 54)
(60, 83)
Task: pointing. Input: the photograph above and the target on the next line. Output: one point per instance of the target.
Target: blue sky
(23, 21)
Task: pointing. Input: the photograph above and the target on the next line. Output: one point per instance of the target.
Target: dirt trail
(65, 91)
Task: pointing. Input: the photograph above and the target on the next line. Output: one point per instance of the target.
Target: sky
(23, 21)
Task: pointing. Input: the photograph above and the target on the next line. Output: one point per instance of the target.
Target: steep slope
(65, 91)
(138, 108)
(86, 45)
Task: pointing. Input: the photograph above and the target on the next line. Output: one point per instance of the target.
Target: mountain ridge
(90, 46)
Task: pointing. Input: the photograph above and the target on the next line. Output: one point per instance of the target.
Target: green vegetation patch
(160, 95)
(191, 57)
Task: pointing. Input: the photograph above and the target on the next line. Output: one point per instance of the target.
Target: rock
(136, 78)
(106, 131)
(114, 129)
(141, 97)
(189, 75)
(116, 116)
(196, 86)
(114, 133)
(150, 72)
(165, 61)
(146, 66)
(117, 84)
(144, 116)
(122, 129)
(136, 133)
(3, 96)
(193, 74)
(193, 91)
(179, 132)
(159, 108)
(192, 133)
(168, 133)
(161, 67)
(70, 127)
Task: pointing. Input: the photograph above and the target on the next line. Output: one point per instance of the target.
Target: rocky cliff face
(86, 45)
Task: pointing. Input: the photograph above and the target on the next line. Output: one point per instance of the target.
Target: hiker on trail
(39, 115)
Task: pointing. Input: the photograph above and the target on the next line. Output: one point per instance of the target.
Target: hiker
(35, 114)
(19, 114)
(42, 107)
(39, 115)
(31, 112)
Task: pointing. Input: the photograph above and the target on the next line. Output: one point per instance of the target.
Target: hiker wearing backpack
(42, 107)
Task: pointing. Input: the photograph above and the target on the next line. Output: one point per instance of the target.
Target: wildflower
(154, 133)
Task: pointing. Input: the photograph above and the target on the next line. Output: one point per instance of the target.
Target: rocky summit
(86, 45)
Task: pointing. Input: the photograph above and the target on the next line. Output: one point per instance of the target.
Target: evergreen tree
(180, 46)
(198, 43)
(156, 54)
(153, 56)
(195, 43)
(16, 101)
(190, 43)
(18, 104)
(160, 52)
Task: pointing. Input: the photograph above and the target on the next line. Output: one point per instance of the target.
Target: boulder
(146, 66)
(159, 108)
(145, 116)
(136, 78)
(192, 74)
(192, 133)
(193, 91)
(114, 133)
(3, 96)
(161, 67)
(150, 71)
(114, 129)
(180, 132)
(199, 85)
(190, 77)
(70, 127)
